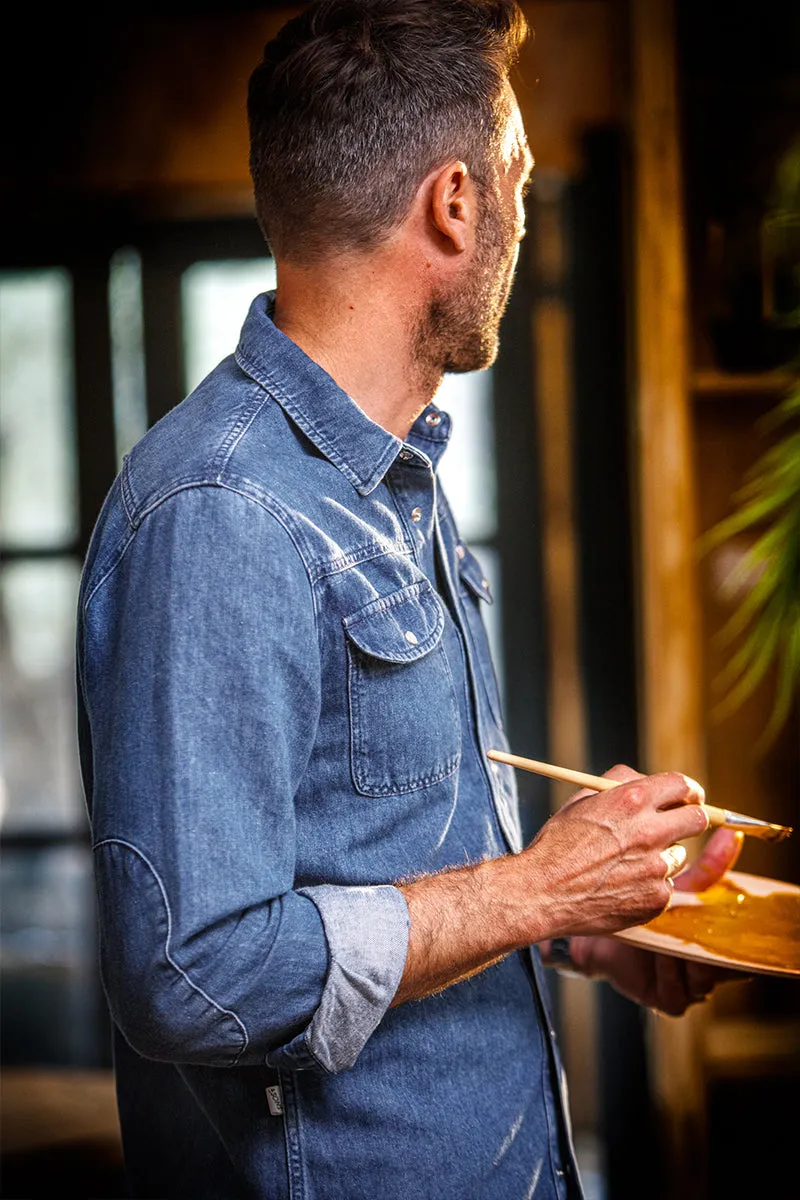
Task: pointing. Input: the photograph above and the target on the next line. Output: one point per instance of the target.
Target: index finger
(674, 800)
(688, 819)
(620, 772)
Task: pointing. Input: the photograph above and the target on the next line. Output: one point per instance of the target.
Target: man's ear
(453, 205)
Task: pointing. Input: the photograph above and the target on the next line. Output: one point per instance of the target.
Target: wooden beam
(670, 638)
(669, 613)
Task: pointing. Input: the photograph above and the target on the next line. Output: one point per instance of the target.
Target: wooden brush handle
(601, 783)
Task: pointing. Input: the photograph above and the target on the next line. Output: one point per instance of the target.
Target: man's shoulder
(230, 432)
(192, 444)
(209, 469)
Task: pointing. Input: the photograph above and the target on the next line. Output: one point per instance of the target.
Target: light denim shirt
(285, 699)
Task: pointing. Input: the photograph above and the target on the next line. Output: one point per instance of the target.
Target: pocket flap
(471, 573)
(400, 627)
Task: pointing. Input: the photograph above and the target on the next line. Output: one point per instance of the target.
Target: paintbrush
(600, 783)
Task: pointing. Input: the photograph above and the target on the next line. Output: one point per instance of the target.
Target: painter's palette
(745, 922)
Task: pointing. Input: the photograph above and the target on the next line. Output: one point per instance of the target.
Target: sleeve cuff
(367, 933)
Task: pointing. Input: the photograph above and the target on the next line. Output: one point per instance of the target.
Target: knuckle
(635, 797)
(693, 792)
(621, 773)
(678, 783)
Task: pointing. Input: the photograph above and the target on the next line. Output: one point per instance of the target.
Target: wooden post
(669, 613)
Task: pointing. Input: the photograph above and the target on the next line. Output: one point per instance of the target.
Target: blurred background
(651, 334)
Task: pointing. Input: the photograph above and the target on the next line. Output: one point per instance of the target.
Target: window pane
(39, 780)
(127, 349)
(216, 297)
(49, 1005)
(38, 498)
(467, 470)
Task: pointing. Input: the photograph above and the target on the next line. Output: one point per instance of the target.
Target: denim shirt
(285, 700)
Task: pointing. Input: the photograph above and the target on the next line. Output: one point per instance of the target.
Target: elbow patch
(162, 1013)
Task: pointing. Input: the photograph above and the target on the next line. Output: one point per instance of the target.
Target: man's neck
(358, 322)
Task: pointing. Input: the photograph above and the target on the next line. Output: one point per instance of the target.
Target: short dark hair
(355, 101)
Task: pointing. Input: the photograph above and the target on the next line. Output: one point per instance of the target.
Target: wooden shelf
(710, 384)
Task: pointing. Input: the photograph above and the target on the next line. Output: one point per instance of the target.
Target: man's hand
(659, 981)
(606, 860)
(602, 863)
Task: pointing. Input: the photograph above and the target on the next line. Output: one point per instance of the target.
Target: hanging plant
(765, 627)
(764, 631)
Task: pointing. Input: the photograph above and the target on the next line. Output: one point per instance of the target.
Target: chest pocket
(405, 730)
(475, 592)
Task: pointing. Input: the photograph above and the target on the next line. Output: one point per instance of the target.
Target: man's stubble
(459, 331)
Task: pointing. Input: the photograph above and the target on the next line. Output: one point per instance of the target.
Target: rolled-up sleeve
(199, 681)
(367, 934)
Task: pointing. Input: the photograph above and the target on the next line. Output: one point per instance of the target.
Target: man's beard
(459, 331)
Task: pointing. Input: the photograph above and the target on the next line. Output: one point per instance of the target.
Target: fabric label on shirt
(275, 1100)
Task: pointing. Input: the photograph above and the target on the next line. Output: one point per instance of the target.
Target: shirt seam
(235, 435)
(316, 568)
(196, 987)
(266, 503)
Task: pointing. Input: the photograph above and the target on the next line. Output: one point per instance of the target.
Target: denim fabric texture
(285, 695)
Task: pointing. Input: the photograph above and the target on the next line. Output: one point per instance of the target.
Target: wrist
(519, 914)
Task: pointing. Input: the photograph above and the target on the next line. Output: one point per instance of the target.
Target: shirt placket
(505, 817)
(562, 1160)
(413, 486)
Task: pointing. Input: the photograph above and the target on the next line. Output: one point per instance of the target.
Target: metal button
(405, 455)
(433, 418)
(416, 515)
(411, 638)
(485, 583)
(460, 551)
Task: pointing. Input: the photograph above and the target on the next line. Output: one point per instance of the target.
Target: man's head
(355, 103)
(459, 326)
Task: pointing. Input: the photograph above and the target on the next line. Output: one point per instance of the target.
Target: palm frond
(767, 620)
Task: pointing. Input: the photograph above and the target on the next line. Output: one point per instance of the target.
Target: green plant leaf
(767, 620)
(747, 668)
(755, 599)
(787, 686)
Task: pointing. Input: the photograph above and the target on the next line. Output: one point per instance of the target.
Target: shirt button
(433, 418)
(460, 551)
(405, 455)
(416, 515)
(485, 583)
(411, 638)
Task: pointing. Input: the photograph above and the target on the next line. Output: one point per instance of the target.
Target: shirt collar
(361, 449)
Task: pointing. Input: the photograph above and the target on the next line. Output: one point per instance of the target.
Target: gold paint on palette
(732, 922)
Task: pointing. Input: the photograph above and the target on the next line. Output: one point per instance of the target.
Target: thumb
(716, 858)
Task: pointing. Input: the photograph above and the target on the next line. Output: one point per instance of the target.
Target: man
(317, 916)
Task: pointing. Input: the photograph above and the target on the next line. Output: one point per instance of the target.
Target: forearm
(595, 867)
(463, 921)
